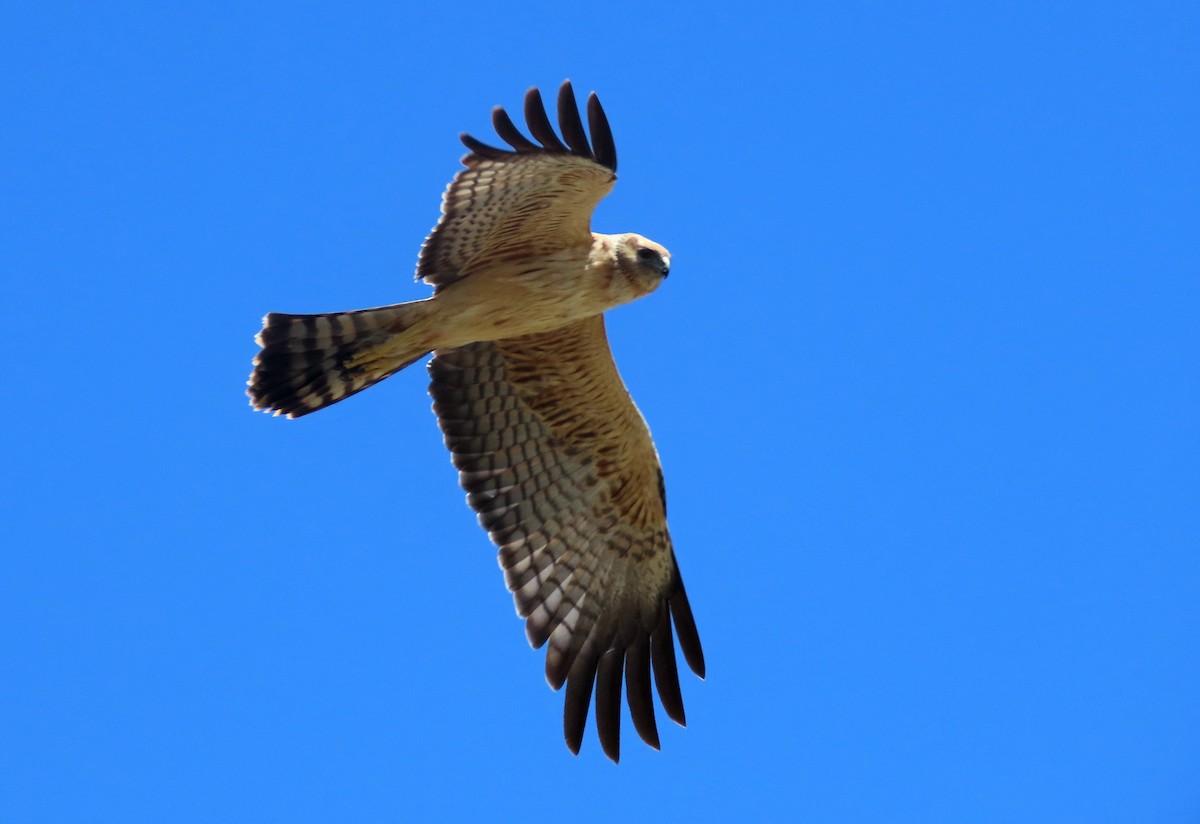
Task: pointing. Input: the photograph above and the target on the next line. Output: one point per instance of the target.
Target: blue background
(924, 381)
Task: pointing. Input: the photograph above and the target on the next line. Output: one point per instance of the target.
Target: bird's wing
(559, 464)
(525, 202)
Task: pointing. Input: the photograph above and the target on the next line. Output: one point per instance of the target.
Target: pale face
(644, 262)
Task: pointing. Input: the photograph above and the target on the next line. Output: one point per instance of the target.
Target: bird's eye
(647, 254)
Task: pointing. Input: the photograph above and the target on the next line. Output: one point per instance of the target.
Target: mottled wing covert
(525, 201)
(559, 464)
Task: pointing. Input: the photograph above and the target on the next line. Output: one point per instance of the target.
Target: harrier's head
(642, 261)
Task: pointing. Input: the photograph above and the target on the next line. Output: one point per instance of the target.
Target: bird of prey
(554, 456)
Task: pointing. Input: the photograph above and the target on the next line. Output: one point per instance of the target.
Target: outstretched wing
(559, 464)
(530, 200)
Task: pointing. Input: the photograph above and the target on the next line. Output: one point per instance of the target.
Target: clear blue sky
(924, 380)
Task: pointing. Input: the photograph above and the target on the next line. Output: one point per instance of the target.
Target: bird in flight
(554, 456)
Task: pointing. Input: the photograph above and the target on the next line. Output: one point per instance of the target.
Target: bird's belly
(507, 305)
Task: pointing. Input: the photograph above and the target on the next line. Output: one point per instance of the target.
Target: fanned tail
(308, 362)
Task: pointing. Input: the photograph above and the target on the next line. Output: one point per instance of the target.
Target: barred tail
(308, 362)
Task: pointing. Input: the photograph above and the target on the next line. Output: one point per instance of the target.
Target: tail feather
(308, 362)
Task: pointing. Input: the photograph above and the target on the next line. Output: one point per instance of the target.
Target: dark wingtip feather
(539, 122)
(608, 702)
(482, 149)
(603, 147)
(579, 696)
(638, 694)
(685, 627)
(569, 123)
(666, 673)
(509, 133)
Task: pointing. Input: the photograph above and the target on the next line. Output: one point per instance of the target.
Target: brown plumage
(551, 450)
